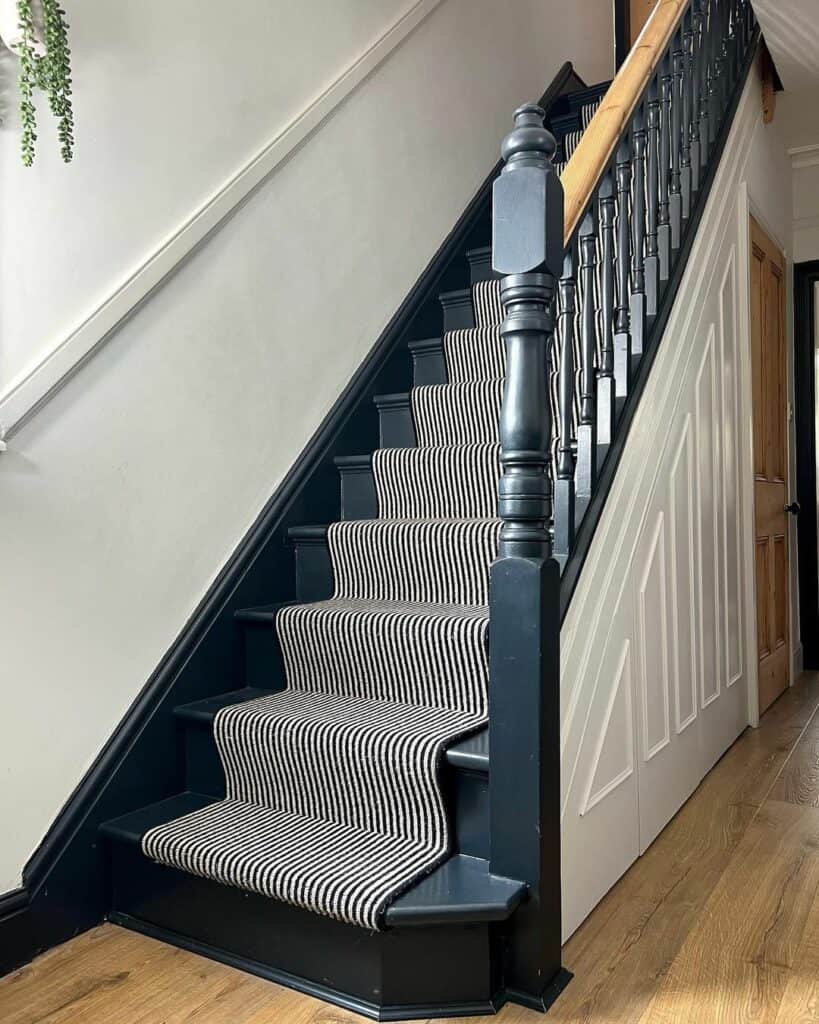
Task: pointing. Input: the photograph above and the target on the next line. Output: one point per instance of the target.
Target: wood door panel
(780, 585)
(769, 375)
(763, 623)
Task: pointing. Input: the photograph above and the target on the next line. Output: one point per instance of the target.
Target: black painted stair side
(459, 891)
(465, 777)
(396, 428)
(434, 959)
(428, 363)
(359, 499)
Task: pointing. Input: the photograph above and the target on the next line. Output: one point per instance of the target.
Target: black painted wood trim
(585, 532)
(328, 995)
(805, 277)
(66, 876)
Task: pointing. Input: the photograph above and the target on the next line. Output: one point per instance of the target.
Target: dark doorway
(806, 280)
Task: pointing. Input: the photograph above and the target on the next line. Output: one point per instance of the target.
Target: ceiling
(791, 30)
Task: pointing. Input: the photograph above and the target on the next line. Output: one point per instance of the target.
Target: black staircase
(583, 319)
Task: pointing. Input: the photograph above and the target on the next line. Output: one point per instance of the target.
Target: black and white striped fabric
(333, 799)
(333, 796)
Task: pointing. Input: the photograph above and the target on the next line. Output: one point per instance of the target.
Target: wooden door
(639, 11)
(770, 465)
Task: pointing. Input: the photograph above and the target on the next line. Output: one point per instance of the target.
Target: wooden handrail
(600, 140)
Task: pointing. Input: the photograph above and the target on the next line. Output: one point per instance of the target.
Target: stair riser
(458, 310)
(429, 366)
(408, 973)
(467, 793)
(395, 426)
(480, 266)
(359, 499)
(314, 571)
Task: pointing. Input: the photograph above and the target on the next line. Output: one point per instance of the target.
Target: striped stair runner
(333, 796)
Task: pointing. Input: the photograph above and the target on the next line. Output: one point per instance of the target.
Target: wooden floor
(718, 922)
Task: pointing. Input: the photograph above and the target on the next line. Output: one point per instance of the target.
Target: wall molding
(804, 156)
(29, 393)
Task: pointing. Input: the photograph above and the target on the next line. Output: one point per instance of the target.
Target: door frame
(748, 207)
(805, 278)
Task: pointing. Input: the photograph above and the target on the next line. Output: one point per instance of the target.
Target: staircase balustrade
(629, 203)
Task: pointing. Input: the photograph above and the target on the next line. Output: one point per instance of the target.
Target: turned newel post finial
(527, 247)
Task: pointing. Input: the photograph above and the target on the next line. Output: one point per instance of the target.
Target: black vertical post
(586, 468)
(675, 185)
(564, 472)
(652, 262)
(664, 216)
(622, 312)
(608, 384)
(705, 87)
(685, 160)
(524, 591)
(639, 308)
(694, 78)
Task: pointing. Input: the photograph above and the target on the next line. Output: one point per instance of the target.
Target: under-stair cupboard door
(770, 465)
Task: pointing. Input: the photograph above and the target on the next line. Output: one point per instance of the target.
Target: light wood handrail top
(600, 140)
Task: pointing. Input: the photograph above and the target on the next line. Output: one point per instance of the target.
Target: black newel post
(524, 629)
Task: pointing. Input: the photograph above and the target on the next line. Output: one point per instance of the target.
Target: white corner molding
(804, 156)
(29, 393)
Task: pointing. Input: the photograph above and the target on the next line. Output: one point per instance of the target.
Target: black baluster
(586, 468)
(694, 80)
(704, 86)
(564, 470)
(675, 142)
(652, 261)
(622, 309)
(524, 590)
(609, 384)
(685, 158)
(725, 56)
(714, 65)
(639, 306)
(664, 216)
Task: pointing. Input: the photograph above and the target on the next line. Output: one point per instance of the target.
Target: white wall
(122, 498)
(797, 116)
(659, 645)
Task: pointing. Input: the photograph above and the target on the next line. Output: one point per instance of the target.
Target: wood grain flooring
(718, 922)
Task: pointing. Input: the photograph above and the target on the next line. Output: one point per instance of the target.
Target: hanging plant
(50, 72)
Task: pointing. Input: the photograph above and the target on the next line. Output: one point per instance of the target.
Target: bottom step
(437, 957)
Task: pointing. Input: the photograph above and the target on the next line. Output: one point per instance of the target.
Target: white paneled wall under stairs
(657, 679)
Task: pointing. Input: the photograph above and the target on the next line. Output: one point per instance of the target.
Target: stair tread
(471, 753)
(131, 827)
(207, 709)
(461, 889)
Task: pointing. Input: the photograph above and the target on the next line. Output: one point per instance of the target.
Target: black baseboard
(329, 995)
(65, 882)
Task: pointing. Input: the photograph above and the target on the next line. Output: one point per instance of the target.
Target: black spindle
(687, 75)
(652, 261)
(586, 469)
(609, 385)
(694, 84)
(564, 468)
(675, 143)
(664, 216)
(639, 306)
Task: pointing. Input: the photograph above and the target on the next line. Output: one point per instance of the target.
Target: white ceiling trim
(791, 30)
